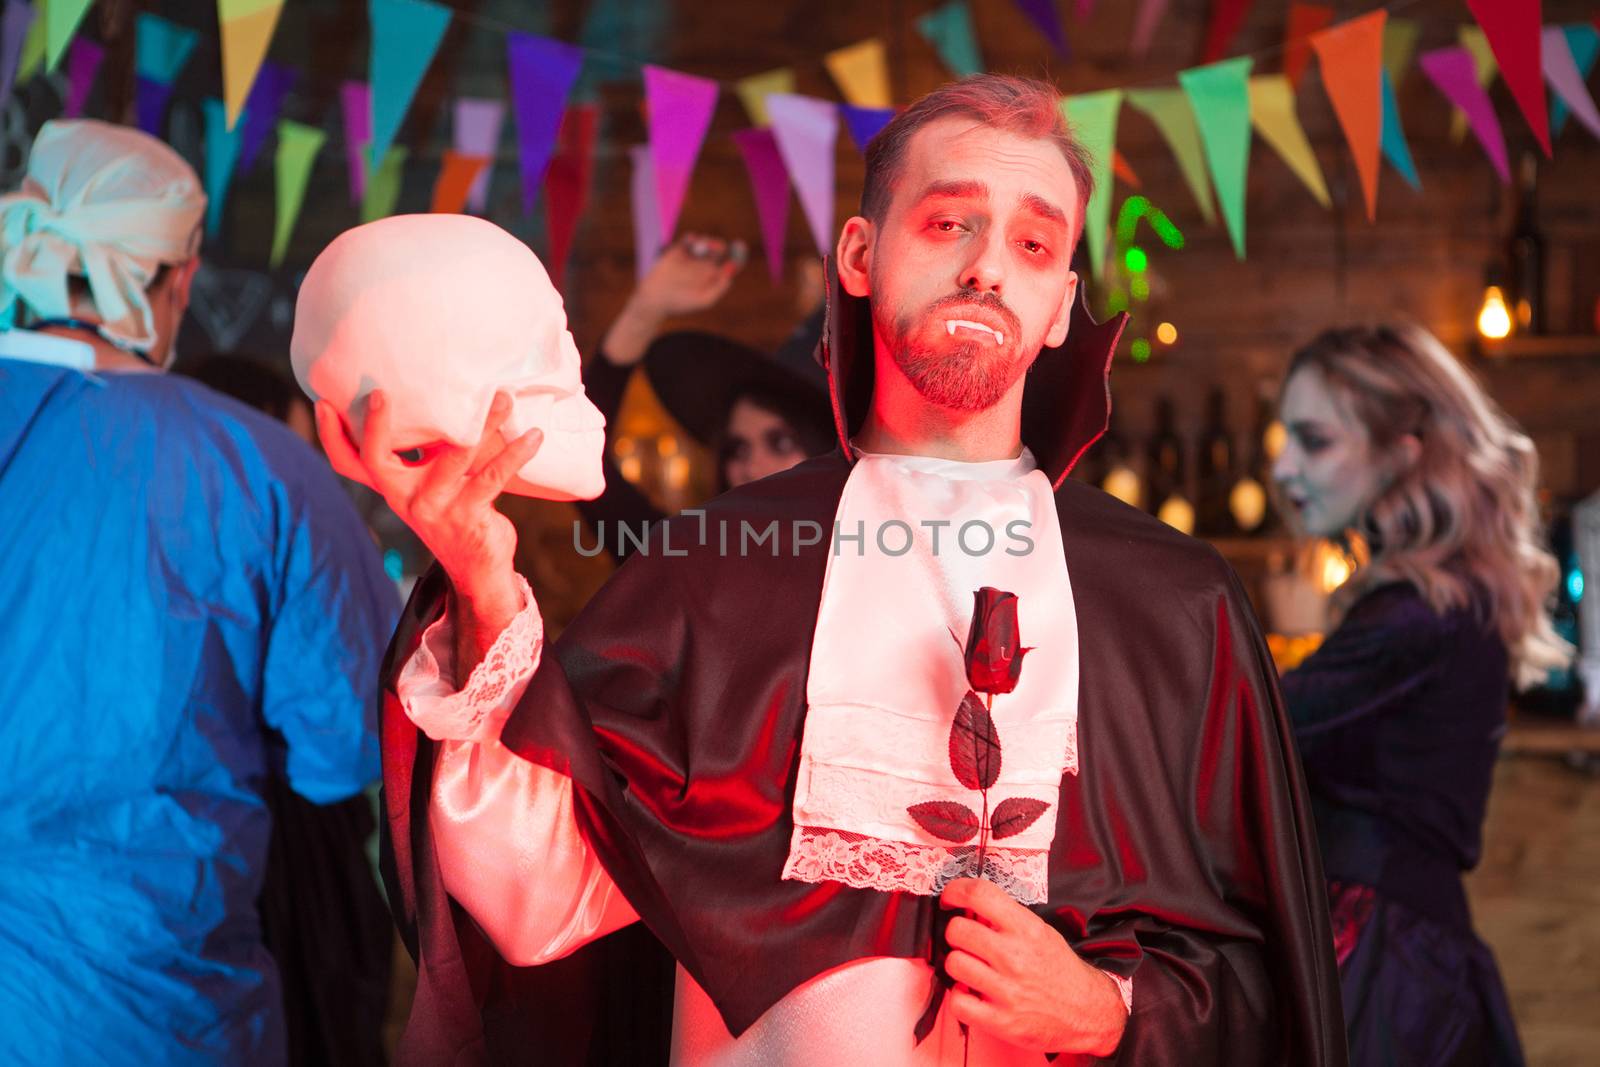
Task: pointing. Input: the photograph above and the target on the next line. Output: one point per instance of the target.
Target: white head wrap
(106, 202)
(440, 312)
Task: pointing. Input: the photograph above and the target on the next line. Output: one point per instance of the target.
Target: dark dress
(1399, 717)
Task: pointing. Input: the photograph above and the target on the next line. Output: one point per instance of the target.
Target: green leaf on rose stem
(1014, 815)
(947, 820)
(974, 744)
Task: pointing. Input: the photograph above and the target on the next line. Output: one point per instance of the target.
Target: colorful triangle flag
(1583, 45)
(754, 90)
(161, 48)
(861, 71)
(61, 21)
(477, 133)
(222, 152)
(1124, 171)
(272, 86)
(383, 185)
(1566, 74)
(1273, 115)
(678, 112)
(1399, 46)
(647, 246)
(457, 172)
(1042, 13)
(807, 129)
(355, 101)
(247, 29)
(1455, 74)
(566, 184)
(1473, 39)
(1226, 18)
(769, 181)
(1144, 27)
(1093, 118)
(1220, 96)
(298, 145)
(1351, 55)
(949, 29)
(15, 21)
(1513, 29)
(405, 36)
(1393, 141)
(542, 74)
(83, 63)
(1169, 109)
(1304, 20)
(865, 122)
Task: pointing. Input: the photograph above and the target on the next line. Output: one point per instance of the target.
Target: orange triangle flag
(457, 172)
(1351, 55)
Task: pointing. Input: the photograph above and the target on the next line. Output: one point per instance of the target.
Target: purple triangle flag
(477, 134)
(770, 183)
(806, 130)
(355, 99)
(13, 31)
(542, 73)
(1452, 70)
(679, 109)
(150, 99)
(83, 63)
(261, 109)
(1042, 13)
(865, 122)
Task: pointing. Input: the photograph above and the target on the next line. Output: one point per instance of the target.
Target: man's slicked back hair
(1023, 106)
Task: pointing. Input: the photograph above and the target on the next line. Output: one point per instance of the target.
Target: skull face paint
(441, 312)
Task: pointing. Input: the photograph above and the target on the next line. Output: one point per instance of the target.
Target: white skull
(440, 312)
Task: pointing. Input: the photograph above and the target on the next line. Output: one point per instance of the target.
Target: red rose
(994, 647)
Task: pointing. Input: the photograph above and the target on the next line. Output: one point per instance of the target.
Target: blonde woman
(1398, 716)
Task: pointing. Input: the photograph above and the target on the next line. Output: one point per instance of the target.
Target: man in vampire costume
(773, 753)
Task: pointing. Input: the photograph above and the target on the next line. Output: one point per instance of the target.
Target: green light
(1141, 350)
(1136, 260)
(1140, 287)
(1117, 301)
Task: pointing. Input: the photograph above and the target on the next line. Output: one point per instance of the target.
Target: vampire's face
(441, 312)
(1328, 470)
(971, 266)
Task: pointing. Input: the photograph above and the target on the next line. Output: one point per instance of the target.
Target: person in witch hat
(863, 840)
(759, 413)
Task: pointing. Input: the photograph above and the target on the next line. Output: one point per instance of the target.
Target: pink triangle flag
(679, 114)
(769, 181)
(355, 99)
(83, 63)
(1453, 72)
(1144, 30)
(1512, 27)
(477, 133)
(1565, 78)
(647, 244)
(807, 131)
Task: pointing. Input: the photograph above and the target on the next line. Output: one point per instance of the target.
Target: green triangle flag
(61, 20)
(1169, 110)
(298, 145)
(1093, 117)
(949, 30)
(1219, 93)
(383, 186)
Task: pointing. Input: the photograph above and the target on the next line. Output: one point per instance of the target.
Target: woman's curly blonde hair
(1462, 523)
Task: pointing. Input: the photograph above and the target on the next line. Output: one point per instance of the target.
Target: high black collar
(1065, 405)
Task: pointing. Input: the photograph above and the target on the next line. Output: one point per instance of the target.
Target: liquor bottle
(1525, 252)
(1249, 503)
(1115, 473)
(1215, 468)
(1166, 472)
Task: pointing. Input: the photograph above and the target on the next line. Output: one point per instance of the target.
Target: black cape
(1184, 854)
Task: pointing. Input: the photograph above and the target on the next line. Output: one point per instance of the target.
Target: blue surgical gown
(188, 601)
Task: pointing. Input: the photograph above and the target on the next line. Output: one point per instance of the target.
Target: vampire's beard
(963, 374)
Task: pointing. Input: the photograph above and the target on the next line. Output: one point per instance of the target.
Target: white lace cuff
(478, 710)
(1124, 986)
